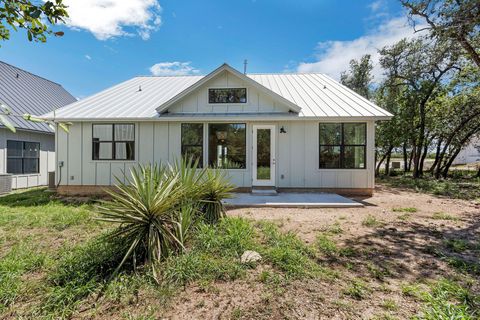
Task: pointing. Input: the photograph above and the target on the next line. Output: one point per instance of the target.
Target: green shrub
(215, 187)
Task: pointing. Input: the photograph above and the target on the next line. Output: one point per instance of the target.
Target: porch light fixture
(282, 130)
(222, 135)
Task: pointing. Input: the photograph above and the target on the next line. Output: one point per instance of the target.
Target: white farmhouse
(283, 131)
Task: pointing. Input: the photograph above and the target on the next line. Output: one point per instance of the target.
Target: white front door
(263, 155)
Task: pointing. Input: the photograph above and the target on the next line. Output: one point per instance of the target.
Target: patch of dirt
(401, 248)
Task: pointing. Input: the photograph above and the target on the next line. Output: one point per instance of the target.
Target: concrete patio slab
(291, 200)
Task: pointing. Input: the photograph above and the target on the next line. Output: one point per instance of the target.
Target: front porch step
(264, 191)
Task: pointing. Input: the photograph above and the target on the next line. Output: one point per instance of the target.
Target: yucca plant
(150, 209)
(216, 187)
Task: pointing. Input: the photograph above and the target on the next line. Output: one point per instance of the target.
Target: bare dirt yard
(383, 254)
(405, 255)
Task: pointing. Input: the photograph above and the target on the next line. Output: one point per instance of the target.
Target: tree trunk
(424, 156)
(387, 164)
(478, 173)
(437, 156)
(405, 157)
(410, 161)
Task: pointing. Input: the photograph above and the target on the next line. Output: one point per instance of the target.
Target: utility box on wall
(5, 183)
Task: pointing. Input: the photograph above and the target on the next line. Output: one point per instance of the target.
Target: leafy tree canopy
(35, 17)
(457, 20)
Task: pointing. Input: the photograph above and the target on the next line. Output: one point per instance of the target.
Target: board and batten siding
(47, 157)
(197, 101)
(297, 156)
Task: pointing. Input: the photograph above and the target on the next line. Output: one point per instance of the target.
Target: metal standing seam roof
(317, 95)
(24, 92)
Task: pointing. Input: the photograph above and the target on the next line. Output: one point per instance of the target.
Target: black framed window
(192, 142)
(227, 145)
(342, 145)
(227, 95)
(113, 141)
(23, 157)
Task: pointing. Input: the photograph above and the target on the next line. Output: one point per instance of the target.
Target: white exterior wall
(47, 157)
(297, 156)
(470, 153)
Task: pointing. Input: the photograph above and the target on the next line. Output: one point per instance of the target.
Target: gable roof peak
(226, 67)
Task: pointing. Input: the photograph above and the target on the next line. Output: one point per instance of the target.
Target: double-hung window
(113, 141)
(342, 145)
(192, 142)
(23, 157)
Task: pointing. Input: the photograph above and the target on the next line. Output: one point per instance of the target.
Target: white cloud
(88, 57)
(333, 57)
(174, 68)
(114, 18)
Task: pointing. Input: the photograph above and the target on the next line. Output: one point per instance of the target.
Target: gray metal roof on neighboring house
(316, 95)
(24, 92)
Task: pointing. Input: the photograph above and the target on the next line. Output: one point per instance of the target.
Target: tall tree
(457, 20)
(359, 77)
(418, 67)
(36, 19)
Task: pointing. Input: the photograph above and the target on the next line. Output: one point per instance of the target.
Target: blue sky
(105, 45)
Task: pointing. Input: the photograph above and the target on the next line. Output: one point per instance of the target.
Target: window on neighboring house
(227, 95)
(192, 142)
(113, 141)
(23, 157)
(227, 145)
(342, 146)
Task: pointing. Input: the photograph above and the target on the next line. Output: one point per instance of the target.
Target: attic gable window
(227, 95)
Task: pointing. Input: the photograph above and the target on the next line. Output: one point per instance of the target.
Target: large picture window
(192, 142)
(113, 141)
(227, 145)
(227, 95)
(342, 146)
(23, 157)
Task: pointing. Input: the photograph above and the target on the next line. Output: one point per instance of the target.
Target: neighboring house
(28, 154)
(285, 131)
(470, 153)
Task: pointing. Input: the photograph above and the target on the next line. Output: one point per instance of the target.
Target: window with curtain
(23, 157)
(113, 141)
(227, 145)
(192, 142)
(342, 145)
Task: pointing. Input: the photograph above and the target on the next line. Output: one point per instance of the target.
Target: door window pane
(329, 157)
(192, 142)
(227, 145)
(263, 154)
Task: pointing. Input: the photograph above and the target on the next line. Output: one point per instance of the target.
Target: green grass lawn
(55, 263)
